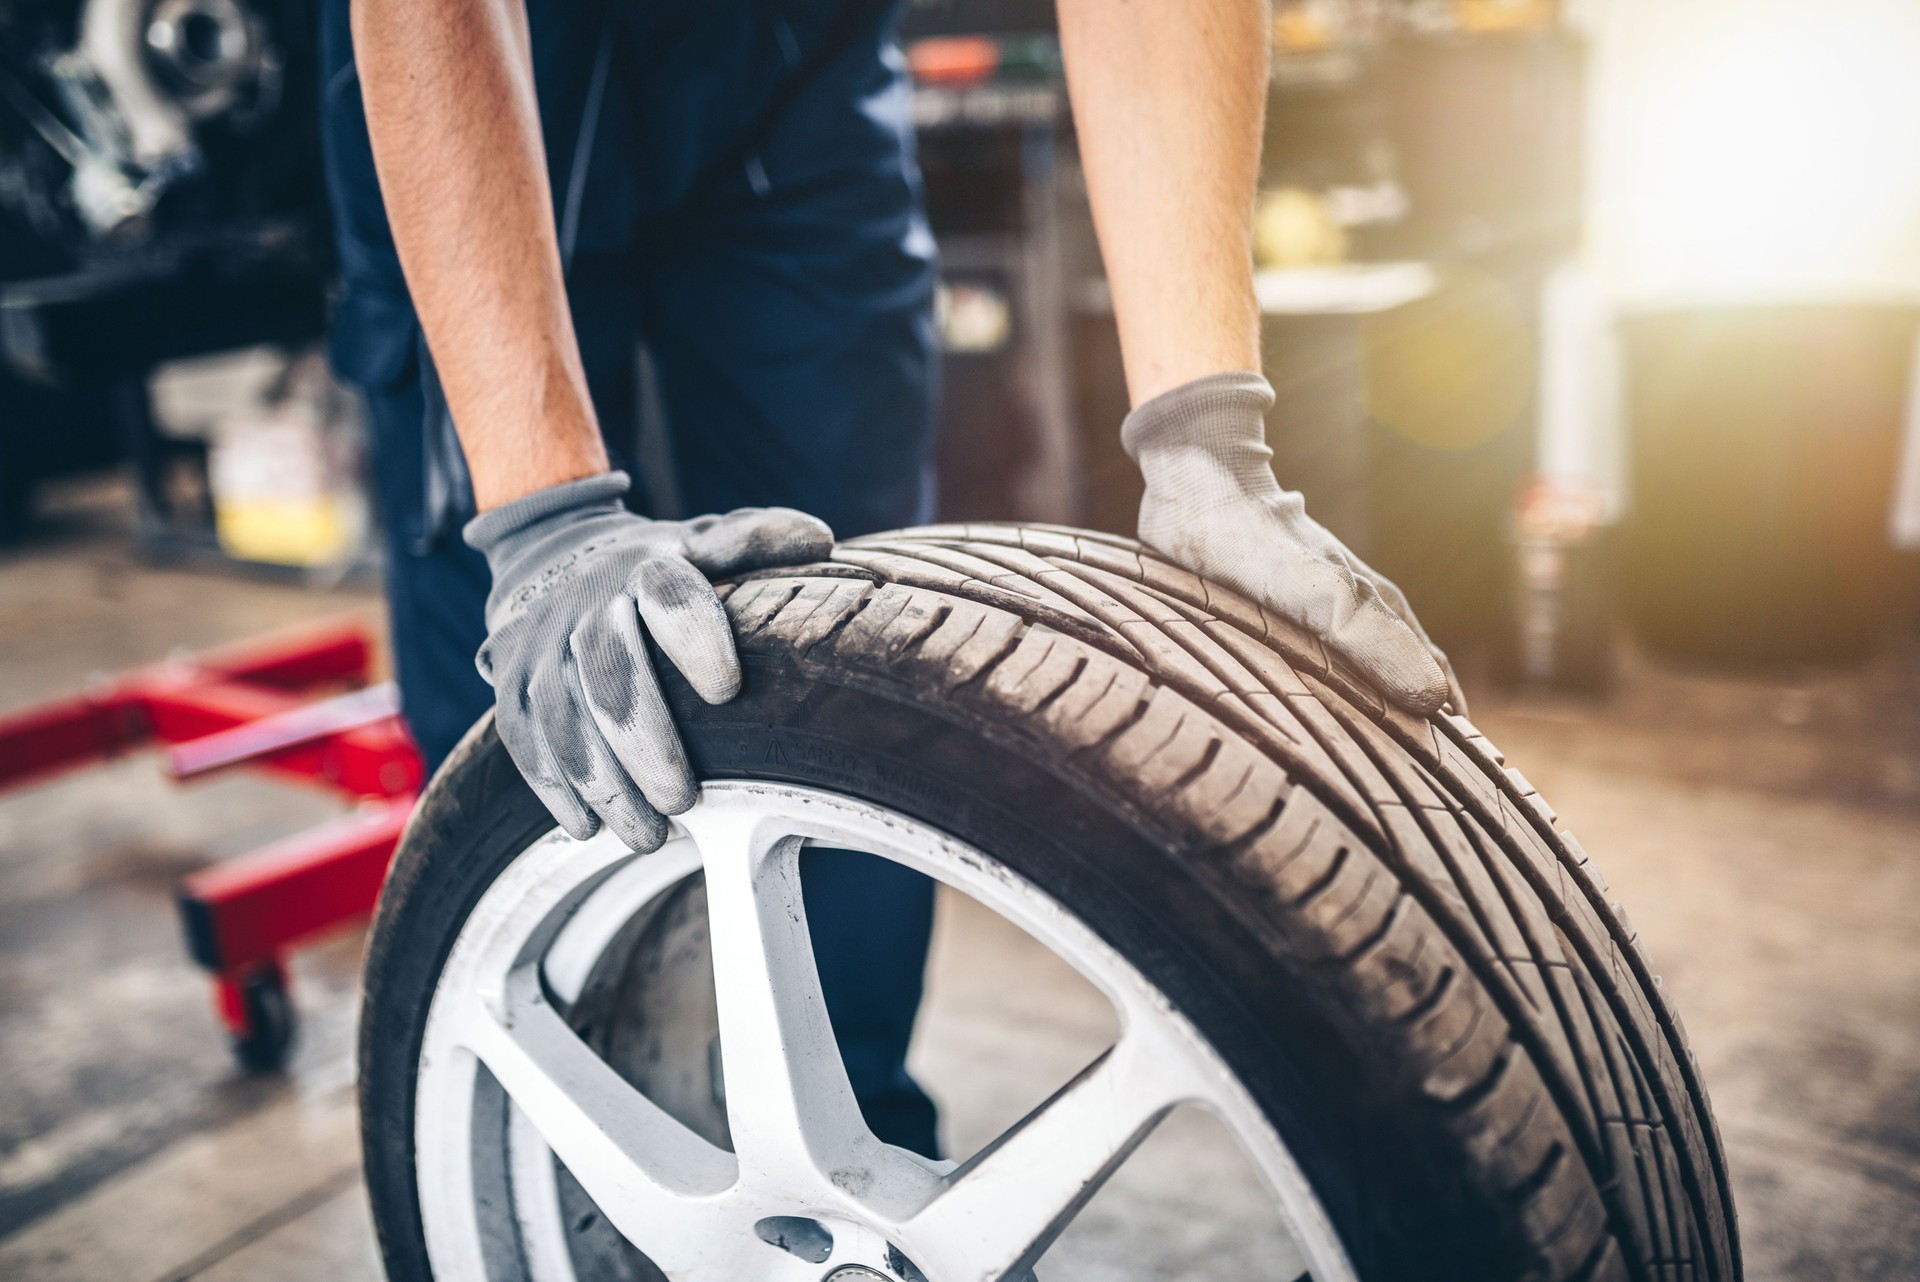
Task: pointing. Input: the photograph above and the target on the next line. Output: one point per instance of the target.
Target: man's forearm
(1169, 99)
(448, 88)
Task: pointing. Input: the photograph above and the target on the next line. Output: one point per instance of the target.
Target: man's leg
(790, 311)
(436, 596)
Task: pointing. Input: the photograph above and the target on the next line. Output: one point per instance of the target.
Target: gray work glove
(1212, 506)
(575, 575)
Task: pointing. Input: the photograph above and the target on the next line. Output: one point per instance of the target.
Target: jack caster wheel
(1350, 1005)
(270, 1024)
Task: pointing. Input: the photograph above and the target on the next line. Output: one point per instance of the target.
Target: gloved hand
(1213, 506)
(577, 705)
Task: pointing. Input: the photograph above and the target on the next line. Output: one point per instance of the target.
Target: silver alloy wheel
(486, 1141)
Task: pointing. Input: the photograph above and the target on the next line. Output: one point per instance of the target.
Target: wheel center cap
(855, 1273)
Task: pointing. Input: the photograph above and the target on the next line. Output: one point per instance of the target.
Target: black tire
(1379, 928)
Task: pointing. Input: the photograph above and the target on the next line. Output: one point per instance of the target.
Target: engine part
(208, 51)
(113, 47)
(132, 90)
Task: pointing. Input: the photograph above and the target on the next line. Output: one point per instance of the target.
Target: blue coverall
(736, 190)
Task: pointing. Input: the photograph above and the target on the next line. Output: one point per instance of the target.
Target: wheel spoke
(525, 909)
(1002, 1209)
(578, 944)
(656, 1181)
(547, 930)
(795, 1123)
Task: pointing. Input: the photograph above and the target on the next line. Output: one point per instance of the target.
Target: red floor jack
(253, 705)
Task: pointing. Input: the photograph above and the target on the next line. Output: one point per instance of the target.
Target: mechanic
(731, 183)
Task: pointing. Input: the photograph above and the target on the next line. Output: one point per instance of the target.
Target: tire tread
(1423, 879)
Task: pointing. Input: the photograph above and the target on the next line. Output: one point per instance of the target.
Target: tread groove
(1261, 829)
(1099, 746)
(1662, 1242)
(1345, 915)
(1319, 885)
(840, 624)
(1374, 937)
(1198, 768)
(1596, 1144)
(1596, 971)
(1589, 1268)
(1556, 1154)
(1460, 1043)
(1593, 1146)
(918, 637)
(986, 669)
(769, 616)
(1432, 998)
(1643, 976)
(1053, 696)
(1487, 1085)
(1593, 1143)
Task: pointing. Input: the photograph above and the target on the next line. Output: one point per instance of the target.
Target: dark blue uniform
(735, 189)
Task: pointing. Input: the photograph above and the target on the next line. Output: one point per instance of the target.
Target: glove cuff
(1221, 414)
(1204, 443)
(498, 532)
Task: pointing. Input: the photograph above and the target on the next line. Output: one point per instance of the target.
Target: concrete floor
(1766, 835)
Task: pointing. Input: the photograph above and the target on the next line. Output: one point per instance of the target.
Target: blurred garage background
(1595, 325)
